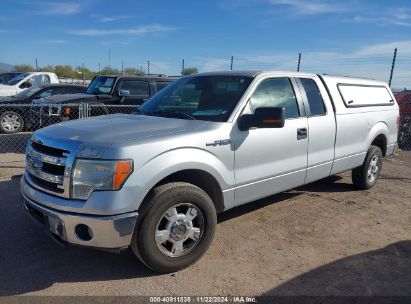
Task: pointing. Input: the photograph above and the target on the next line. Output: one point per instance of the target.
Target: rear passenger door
(271, 160)
(321, 128)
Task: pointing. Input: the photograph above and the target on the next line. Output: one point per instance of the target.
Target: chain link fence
(404, 132)
(18, 121)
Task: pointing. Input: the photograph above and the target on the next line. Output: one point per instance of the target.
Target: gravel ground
(326, 238)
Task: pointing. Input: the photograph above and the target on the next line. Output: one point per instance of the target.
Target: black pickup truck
(104, 95)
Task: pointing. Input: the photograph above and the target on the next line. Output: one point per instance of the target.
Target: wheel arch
(378, 136)
(200, 178)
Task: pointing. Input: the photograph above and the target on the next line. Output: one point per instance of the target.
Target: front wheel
(11, 122)
(175, 228)
(366, 176)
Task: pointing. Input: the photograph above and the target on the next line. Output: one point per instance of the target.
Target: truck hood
(10, 100)
(104, 131)
(7, 90)
(72, 98)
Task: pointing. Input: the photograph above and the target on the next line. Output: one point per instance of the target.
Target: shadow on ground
(30, 261)
(383, 272)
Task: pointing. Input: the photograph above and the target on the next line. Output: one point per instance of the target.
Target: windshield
(17, 79)
(210, 98)
(101, 85)
(28, 92)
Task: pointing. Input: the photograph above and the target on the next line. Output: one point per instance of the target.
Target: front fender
(172, 161)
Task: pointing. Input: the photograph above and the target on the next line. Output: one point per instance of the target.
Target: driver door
(271, 160)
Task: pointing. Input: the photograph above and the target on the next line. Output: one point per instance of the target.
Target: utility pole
(231, 65)
(82, 73)
(392, 67)
(182, 68)
(109, 57)
(299, 62)
(122, 68)
(148, 67)
(37, 67)
(99, 68)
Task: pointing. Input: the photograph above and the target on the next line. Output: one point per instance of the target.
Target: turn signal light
(121, 172)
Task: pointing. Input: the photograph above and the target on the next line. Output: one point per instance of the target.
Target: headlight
(90, 175)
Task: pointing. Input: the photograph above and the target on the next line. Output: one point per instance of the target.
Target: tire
(366, 176)
(11, 122)
(167, 239)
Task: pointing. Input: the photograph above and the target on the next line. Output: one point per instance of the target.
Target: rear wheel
(366, 176)
(11, 122)
(175, 228)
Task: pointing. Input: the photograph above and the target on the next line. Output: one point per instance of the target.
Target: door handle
(301, 133)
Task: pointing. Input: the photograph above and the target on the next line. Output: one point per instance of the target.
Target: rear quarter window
(364, 96)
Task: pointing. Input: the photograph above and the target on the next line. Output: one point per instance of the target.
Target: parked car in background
(204, 144)
(15, 110)
(25, 81)
(404, 102)
(105, 94)
(6, 77)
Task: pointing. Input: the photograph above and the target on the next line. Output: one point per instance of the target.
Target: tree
(23, 68)
(133, 72)
(110, 71)
(64, 71)
(48, 68)
(189, 71)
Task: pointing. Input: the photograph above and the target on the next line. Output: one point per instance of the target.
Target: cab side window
(276, 92)
(161, 85)
(315, 101)
(136, 88)
(47, 93)
(39, 80)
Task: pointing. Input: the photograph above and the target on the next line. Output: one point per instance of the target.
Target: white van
(25, 81)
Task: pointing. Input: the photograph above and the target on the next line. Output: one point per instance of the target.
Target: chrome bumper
(105, 232)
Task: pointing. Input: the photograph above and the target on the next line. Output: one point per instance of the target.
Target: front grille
(48, 150)
(46, 168)
(53, 169)
(45, 184)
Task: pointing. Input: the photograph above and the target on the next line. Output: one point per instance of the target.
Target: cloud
(105, 19)
(151, 28)
(59, 8)
(397, 16)
(307, 7)
(370, 61)
(382, 49)
(52, 41)
(8, 31)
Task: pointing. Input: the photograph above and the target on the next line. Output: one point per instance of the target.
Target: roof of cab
(253, 73)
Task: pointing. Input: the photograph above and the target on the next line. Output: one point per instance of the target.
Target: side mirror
(25, 85)
(268, 117)
(123, 93)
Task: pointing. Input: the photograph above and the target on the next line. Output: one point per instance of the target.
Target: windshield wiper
(176, 112)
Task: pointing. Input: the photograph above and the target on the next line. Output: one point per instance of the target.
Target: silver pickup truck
(155, 180)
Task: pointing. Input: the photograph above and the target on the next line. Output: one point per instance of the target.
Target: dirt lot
(326, 238)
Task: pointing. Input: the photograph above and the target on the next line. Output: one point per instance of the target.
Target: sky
(351, 37)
